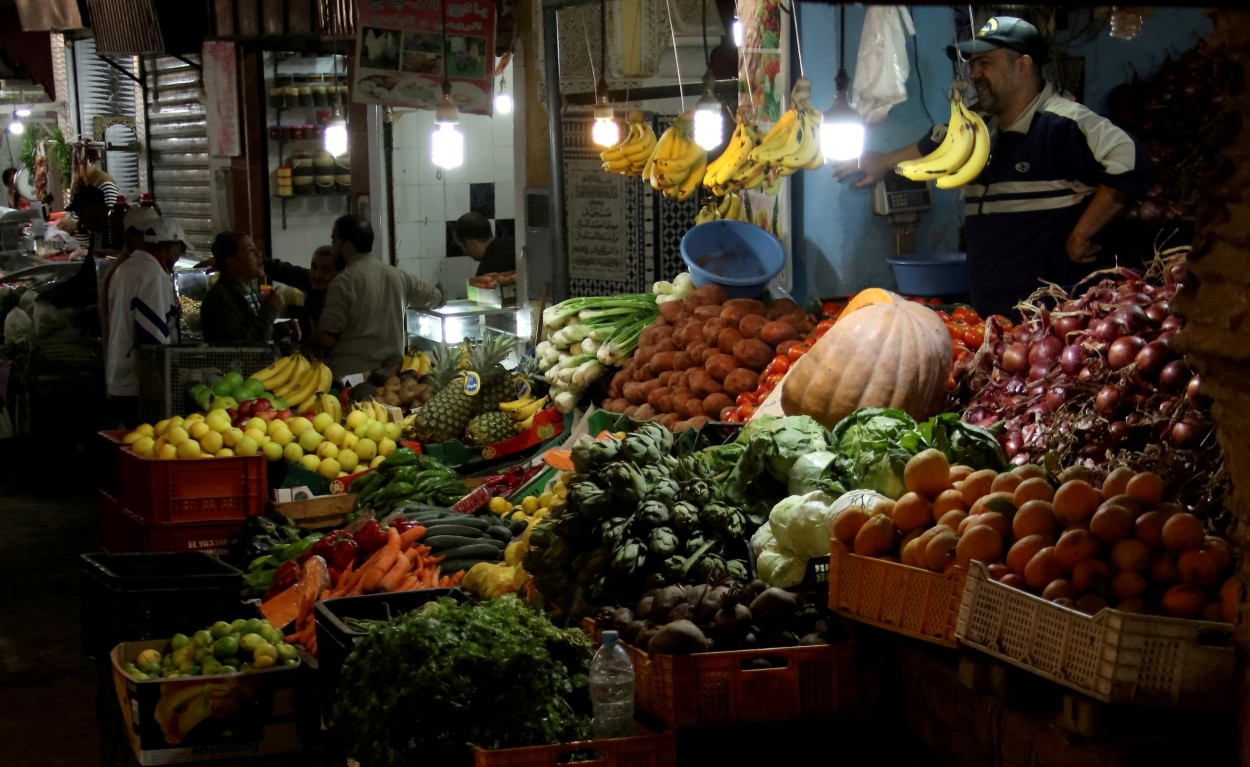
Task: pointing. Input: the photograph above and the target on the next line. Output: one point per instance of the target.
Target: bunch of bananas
(731, 206)
(374, 409)
(793, 143)
(523, 410)
(417, 362)
(329, 404)
(962, 154)
(630, 156)
(296, 379)
(725, 174)
(677, 164)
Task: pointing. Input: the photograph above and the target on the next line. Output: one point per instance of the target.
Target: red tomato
(831, 308)
(773, 380)
(823, 326)
(943, 316)
(796, 351)
(956, 331)
(974, 335)
(966, 315)
(779, 365)
(746, 398)
(746, 411)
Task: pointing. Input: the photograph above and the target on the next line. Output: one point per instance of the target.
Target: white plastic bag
(882, 68)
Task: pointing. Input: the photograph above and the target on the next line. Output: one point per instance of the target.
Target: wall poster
(221, 98)
(402, 53)
(595, 204)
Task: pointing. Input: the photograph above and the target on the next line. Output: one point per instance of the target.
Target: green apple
(224, 403)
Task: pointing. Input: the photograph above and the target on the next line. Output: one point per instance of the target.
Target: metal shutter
(178, 142)
(102, 90)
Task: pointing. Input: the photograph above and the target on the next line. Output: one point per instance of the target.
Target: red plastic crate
(121, 530)
(177, 492)
(716, 688)
(646, 749)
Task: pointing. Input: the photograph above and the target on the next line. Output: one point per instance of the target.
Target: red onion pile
(1094, 378)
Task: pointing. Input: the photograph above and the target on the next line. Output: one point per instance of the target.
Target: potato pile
(700, 354)
(1082, 544)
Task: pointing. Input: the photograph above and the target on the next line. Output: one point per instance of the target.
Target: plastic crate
(716, 688)
(335, 638)
(166, 372)
(131, 597)
(907, 600)
(121, 530)
(206, 490)
(646, 749)
(1113, 656)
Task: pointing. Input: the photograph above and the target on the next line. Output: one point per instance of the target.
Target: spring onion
(586, 336)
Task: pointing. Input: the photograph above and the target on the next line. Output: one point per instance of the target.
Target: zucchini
(450, 528)
(481, 551)
(450, 566)
(471, 521)
(439, 543)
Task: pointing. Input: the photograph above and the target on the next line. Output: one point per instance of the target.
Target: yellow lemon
(349, 441)
(189, 448)
(309, 440)
(335, 434)
(386, 447)
(225, 452)
(131, 438)
(176, 435)
(212, 442)
(161, 426)
(246, 446)
(218, 421)
(193, 418)
(355, 418)
(175, 421)
(322, 421)
(143, 446)
(329, 468)
(310, 462)
(259, 424)
(366, 449)
(273, 451)
(376, 431)
(499, 505)
(257, 435)
(392, 430)
(327, 449)
(146, 430)
(298, 425)
(278, 432)
(167, 452)
(232, 436)
(198, 429)
(347, 460)
(293, 452)
(377, 461)
(362, 430)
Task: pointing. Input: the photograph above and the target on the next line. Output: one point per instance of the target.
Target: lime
(228, 670)
(287, 653)
(179, 641)
(237, 625)
(245, 667)
(183, 657)
(220, 629)
(202, 638)
(265, 650)
(203, 652)
(271, 634)
(211, 666)
(234, 377)
(253, 625)
(249, 642)
(223, 388)
(148, 658)
(264, 661)
(226, 647)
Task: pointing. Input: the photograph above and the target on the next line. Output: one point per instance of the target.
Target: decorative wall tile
(505, 199)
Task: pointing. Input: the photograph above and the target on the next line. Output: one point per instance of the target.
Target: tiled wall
(427, 198)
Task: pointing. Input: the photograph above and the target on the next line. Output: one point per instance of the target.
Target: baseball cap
(141, 218)
(1004, 32)
(87, 195)
(162, 230)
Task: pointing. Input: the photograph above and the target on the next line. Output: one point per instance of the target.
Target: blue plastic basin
(738, 256)
(944, 274)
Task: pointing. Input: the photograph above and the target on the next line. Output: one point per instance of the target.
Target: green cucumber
(500, 533)
(482, 551)
(449, 527)
(440, 543)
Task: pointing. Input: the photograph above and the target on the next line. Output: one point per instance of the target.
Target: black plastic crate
(132, 597)
(335, 638)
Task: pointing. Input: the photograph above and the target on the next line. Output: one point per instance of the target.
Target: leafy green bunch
(425, 687)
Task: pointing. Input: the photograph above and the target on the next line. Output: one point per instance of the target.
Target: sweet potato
(667, 420)
(703, 384)
(680, 395)
(689, 423)
(663, 345)
(633, 392)
(727, 339)
(661, 361)
(616, 405)
(707, 311)
(746, 305)
(714, 294)
(777, 331)
(712, 329)
(644, 412)
(680, 381)
(666, 377)
(619, 380)
(709, 353)
(670, 310)
(739, 381)
(696, 348)
(731, 315)
(648, 387)
(631, 411)
(654, 332)
(780, 308)
(751, 325)
(753, 354)
(785, 346)
(658, 397)
(721, 365)
(682, 361)
(714, 403)
(691, 407)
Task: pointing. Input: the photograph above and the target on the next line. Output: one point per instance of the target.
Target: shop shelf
(907, 600)
(132, 597)
(646, 749)
(121, 531)
(177, 492)
(1112, 656)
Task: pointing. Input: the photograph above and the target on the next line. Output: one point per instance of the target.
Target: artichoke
(652, 513)
(661, 436)
(663, 542)
(625, 482)
(666, 491)
(630, 557)
(684, 517)
(641, 449)
(697, 492)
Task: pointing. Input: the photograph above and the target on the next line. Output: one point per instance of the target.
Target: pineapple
(498, 384)
(489, 428)
(447, 413)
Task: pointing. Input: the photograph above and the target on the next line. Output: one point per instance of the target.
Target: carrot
(373, 576)
(411, 535)
(410, 582)
(397, 573)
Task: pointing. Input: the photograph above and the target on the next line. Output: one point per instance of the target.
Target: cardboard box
(500, 296)
(196, 719)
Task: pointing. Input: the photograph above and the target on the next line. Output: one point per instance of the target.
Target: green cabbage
(870, 452)
(808, 473)
(801, 523)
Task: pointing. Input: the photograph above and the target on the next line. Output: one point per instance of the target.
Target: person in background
(142, 310)
(83, 288)
(313, 281)
(473, 234)
(362, 326)
(89, 175)
(11, 197)
(1057, 175)
(138, 220)
(235, 311)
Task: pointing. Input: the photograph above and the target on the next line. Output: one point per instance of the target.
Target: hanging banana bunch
(793, 143)
(962, 154)
(730, 207)
(630, 156)
(677, 164)
(722, 177)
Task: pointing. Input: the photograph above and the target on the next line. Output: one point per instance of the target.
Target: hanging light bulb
(842, 130)
(447, 145)
(503, 99)
(16, 127)
(738, 32)
(709, 127)
(606, 132)
(22, 111)
(336, 133)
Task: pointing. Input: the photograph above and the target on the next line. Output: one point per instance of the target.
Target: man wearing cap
(1057, 174)
(234, 311)
(138, 220)
(142, 310)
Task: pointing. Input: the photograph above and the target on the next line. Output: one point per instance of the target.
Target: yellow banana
(275, 374)
(530, 409)
(380, 412)
(524, 425)
(619, 165)
(809, 147)
(305, 388)
(640, 150)
(976, 161)
(613, 152)
(694, 178)
(783, 139)
(949, 156)
(308, 405)
(325, 378)
(299, 371)
(738, 154)
(515, 404)
(709, 212)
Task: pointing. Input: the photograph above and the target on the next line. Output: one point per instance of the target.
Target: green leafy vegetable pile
(425, 687)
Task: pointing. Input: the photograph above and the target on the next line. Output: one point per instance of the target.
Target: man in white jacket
(142, 310)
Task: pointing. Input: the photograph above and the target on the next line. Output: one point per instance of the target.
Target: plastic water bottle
(612, 689)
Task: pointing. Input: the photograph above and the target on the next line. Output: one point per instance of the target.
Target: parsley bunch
(427, 686)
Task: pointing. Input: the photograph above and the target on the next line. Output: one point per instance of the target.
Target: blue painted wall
(840, 247)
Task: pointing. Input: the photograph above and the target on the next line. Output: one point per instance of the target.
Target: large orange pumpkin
(884, 351)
